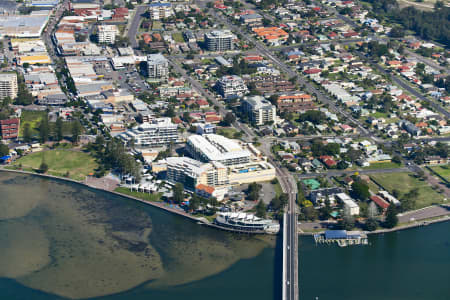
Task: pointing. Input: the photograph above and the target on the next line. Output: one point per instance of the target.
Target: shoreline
(160, 205)
(202, 221)
(422, 223)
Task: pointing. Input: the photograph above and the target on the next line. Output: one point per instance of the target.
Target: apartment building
(192, 172)
(9, 128)
(8, 85)
(295, 102)
(232, 85)
(219, 40)
(259, 110)
(156, 133)
(157, 66)
(107, 33)
(217, 148)
(160, 10)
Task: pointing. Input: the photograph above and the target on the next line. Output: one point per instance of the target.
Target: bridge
(290, 238)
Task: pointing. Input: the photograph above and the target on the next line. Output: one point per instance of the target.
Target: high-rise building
(107, 33)
(219, 40)
(8, 85)
(232, 85)
(258, 109)
(160, 10)
(157, 66)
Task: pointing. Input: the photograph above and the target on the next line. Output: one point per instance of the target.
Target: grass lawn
(443, 171)
(143, 196)
(405, 182)
(156, 25)
(33, 118)
(178, 37)
(78, 164)
(227, 132)
(383, 165)
(278, 189)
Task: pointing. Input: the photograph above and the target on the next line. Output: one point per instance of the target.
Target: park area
(404, 182)
(64, 163)
(442, 171)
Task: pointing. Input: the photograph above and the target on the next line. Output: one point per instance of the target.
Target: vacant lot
(33, 118)
(443, 171)
(60, 162)
(405, 182)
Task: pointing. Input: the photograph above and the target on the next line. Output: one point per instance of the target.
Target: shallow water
(75, 242)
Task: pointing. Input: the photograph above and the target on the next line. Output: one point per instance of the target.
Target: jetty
(342, 237)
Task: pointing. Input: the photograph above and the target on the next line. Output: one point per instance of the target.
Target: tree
(347, 222)
(4, 150)
(76, 131)
(371, 224)
(194, 203)
(229, 119)
(397, 159)
(372, 210)
(310, 213)
(178, 193)
(342, 165)
(59, 129)
(44, 130)
(391, 217)
(27, 133)
(253, 191)
(360, 190)
(261, 209)
(43, 168)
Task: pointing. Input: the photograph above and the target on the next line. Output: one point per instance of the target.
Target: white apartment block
(160, 10)
(107, 34)
(232, 85)
(259, 110)
(8, 85)
(157, 66)
(159, 132)
(217, 148)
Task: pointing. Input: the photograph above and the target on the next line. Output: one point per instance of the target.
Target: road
(134, 27)
(406, 86)
(427, 61)
(332, 173)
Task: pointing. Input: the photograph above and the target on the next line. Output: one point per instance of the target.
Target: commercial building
(41, 3)
(157, 66)
(158, 132)
(231, 85)
(9, 128)
(8, 85)
(259, 110)
(107, 33)
(219, 40)
(160, 10)
(24, 26)
(217, 148)
(192, 172)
